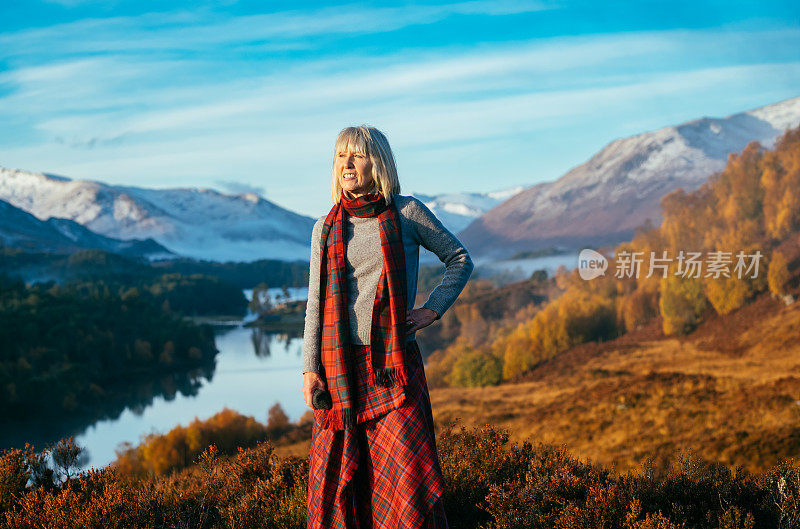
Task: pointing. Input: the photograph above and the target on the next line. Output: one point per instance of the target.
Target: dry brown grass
(730, 392)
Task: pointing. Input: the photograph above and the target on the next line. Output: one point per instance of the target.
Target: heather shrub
(253, 489)
(472, 461)
(491, 483)
(546, 492)
(782, 486)
(14, 476)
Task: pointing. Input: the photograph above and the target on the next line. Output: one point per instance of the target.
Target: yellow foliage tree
(575, 317)
(640, 306)
(778, 275)
(682, 303)
(476, 368)
(781, 181)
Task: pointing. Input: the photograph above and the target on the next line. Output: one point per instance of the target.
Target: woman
(373, 454)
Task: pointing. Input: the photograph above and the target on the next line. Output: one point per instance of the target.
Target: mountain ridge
(457, 210)
(603, 200)
(195, 222)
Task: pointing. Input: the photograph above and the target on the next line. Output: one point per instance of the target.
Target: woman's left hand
(416, 319)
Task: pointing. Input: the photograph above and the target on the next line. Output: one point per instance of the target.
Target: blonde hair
(370, 142)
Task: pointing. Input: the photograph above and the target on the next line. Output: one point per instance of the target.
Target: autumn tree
(778, 275)
(780, 178)
(277, 418)
(682, 304)
(475, 368)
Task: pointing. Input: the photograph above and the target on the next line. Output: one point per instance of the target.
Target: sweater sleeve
(439, 240)
(311, 338)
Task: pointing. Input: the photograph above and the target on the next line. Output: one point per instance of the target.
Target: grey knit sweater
(418, 226)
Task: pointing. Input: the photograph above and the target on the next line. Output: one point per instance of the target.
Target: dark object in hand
(321, 399)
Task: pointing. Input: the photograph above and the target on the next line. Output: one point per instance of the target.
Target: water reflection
(262, 340)
(131, 396)
(253, 370)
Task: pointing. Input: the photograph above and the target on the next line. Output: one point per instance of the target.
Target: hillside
(730, 391)
(20, 229)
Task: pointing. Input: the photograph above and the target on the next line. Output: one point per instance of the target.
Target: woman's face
(354, 171)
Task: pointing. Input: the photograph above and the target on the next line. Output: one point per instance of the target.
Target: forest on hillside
(70, 350)
(96, 265)
(745, 218)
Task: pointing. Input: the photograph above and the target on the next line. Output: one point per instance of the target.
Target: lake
(248, 378)
(519, 269)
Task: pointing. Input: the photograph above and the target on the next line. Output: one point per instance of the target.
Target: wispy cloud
(76, 3)
(86, 99)
(199, 30)
(240, 187)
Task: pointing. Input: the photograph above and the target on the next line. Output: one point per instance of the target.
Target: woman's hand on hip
(418, 318)
(311, 381)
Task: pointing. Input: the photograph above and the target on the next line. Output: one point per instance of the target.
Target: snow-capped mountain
(199, 223)
(457, 210)
(20, 229)
(603, 200)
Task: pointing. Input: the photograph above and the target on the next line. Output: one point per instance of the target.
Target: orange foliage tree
(159, 454)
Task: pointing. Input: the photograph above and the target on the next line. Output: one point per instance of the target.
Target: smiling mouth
(348, 176)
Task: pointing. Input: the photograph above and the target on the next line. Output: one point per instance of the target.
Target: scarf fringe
(389, 376)
(339, 420)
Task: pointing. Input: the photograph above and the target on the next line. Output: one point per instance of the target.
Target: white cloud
(240, 187)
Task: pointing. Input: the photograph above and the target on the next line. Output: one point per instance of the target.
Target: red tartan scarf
(388, 332)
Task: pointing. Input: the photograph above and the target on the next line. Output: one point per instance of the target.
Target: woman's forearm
(458, 264)
(458, 269)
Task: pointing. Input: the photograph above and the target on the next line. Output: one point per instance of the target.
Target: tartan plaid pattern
(385, 472)
(387, 335)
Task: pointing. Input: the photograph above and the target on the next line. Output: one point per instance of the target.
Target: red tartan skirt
(385, 472)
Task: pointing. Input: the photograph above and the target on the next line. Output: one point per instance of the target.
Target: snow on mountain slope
(457, 210)
(604, 199)
(199, 223)
(20, 229)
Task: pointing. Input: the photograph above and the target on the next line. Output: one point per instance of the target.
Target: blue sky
(473, 96)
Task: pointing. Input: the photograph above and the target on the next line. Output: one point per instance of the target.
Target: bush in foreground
(491, 483)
